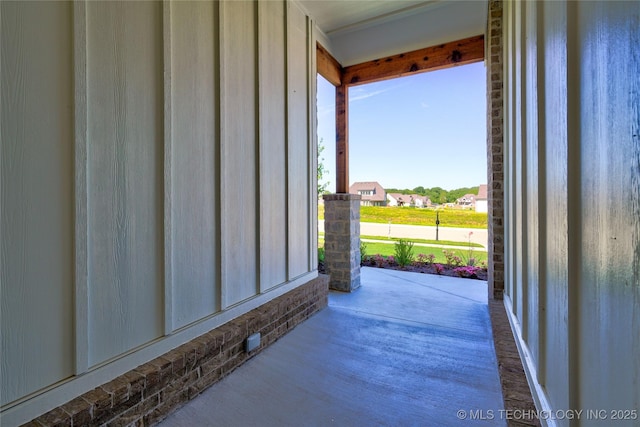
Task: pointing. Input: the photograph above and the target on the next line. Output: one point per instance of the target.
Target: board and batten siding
(36, 204)
(573, 251)
(124, 176)
(157, 180)
(195, 157)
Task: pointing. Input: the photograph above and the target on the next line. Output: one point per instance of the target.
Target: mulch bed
(439, 269)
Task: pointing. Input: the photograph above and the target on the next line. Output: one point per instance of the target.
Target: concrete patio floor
(406, 349)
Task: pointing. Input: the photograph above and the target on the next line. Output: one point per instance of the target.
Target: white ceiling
(356, 31)
(340, 15)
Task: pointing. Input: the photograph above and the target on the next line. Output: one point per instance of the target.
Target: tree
(437, 195)
(322, 187)
(454, 195)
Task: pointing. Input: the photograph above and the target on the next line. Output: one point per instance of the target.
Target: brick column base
(342, 241)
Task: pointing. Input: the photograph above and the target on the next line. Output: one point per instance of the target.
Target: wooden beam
(433, 58)
(327, 65)
(342, 139)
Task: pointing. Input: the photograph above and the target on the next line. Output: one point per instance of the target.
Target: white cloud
(360, 94)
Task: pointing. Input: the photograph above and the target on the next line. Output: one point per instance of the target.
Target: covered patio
(405, 349)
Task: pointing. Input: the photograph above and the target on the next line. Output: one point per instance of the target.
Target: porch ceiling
(356, 31)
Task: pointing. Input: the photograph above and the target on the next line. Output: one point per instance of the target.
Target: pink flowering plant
(423, 259)
(439, 268)
(458, 263)
(452, 258)
(379, 260)
(467, 271)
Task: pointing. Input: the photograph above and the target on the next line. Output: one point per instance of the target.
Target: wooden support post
(342, 139)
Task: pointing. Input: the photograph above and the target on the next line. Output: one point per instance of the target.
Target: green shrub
(403, 252)
(321, 255)
(363, 250)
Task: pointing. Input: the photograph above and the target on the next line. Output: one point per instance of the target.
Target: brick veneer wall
(495, 145)
(147, 394)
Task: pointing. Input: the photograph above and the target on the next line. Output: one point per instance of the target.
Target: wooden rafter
(327, 65)
(433, 58)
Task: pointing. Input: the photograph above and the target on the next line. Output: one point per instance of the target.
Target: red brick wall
(495, 149)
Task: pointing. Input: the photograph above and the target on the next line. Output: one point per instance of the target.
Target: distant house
(372, 193)
(397, 199)
(422, 201)
(468, 201)
(474, 201)
(481, 199)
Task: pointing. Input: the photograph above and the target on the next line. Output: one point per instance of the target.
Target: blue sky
(424, 130)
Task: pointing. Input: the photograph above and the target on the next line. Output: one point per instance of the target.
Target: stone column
(342, 240)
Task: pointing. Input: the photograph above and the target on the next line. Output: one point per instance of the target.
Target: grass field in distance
(419, 216)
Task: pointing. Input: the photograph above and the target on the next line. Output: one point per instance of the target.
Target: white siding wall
(157, 176)
(194, 158)
(124, 179)
(573, 250)
(36, 204)
(272, 67)
(299, 183)
(238, 56)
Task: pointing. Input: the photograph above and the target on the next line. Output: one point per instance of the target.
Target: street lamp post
(437, 224)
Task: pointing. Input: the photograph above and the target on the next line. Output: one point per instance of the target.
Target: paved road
(480, 236)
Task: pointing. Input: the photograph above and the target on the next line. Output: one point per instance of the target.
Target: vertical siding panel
(195, 154)
(36, 199)
(238, 150)
(298, 141)
(540, 183)
(125, 110)
(509, 182)
(81, 232)
(312, 131)
(608, 230)
(556, 356)
(531, 180)
(272, 107)
(521, 245)
(168, 165)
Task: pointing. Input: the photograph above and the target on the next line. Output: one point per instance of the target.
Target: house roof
(407, 198)
(467, 197)
(396, 196)
(379, 195)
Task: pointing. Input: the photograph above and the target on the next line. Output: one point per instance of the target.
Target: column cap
(341, 196)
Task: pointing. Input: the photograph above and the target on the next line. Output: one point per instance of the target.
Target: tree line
(437, 195)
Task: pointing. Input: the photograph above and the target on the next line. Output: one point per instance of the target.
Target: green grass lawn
(419, 216)
(423, 216)
(386, 249)
(389, 249)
